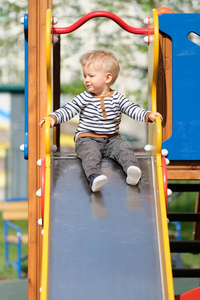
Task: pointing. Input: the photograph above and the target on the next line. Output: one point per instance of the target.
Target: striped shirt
(99, 115)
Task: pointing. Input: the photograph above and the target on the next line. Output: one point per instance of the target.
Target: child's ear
(108, 77)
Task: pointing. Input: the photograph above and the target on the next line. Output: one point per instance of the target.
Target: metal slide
(105, 245)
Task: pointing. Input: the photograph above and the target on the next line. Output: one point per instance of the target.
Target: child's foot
(97, 182)
(133, 175)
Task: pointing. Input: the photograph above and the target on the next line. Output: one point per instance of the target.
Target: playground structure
(39, 281)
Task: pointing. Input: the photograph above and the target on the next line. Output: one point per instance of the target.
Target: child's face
(96, 81)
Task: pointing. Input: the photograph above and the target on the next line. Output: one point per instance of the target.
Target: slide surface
(104, 245)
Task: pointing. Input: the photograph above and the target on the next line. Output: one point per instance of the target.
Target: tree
(11, 41)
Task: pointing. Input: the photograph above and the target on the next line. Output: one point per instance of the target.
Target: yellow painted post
(156, 147)
(46, 233)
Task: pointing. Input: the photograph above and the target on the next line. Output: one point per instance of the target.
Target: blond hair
(102, 59)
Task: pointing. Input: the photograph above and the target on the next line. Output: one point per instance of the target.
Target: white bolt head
(39, 162)
(169, 192)
(22, 147)
(42, 232)
(164, 152)
(39, 193)
(146, 39)
(39, 221)
(167, 161)
(149, 39)
(148, 20)
(54, 39)
(148, 147)
(22, 20)
(54, 20)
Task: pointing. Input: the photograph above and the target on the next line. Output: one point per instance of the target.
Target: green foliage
(185, 202)
(147, 6)
(142, 48)
(12, 38)
(73, 88)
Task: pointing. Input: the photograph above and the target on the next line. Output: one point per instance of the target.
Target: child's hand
(153, 116)
(52, 122)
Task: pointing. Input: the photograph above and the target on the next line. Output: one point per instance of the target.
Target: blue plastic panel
(184, 143)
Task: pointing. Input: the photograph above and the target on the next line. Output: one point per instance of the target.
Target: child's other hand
(153, 116)
(52, 122)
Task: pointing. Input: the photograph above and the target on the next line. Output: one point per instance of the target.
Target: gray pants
(91, 150)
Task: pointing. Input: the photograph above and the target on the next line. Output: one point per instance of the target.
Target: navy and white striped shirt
(99, 115)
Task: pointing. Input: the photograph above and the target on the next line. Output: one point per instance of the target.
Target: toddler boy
(100, 109)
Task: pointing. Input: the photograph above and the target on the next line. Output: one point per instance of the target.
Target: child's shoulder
(85, 95)
(117, 95)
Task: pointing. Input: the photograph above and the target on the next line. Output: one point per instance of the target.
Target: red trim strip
(164, 171)
(42, 188)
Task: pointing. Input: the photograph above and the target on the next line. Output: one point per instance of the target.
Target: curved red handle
(105, 14)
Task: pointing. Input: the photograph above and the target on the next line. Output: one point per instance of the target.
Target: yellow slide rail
(157, 144)
(46, 221)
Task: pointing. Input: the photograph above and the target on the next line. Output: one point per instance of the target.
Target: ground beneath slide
(104, 246)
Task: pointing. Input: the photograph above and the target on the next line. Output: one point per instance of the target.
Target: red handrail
(164, 171)
(101, 13)
(42, 188)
